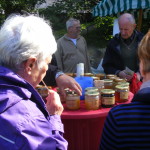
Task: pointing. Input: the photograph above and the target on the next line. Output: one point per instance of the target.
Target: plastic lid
(121, 87)
(92, 93)
(107, 91)
(91, 89)
(107, 80)
(119, 80)
(123, 83)
(110, 75)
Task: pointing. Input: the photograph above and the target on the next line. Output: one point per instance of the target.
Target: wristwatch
(59, 73)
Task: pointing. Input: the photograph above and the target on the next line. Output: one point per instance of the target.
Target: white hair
(127, 16)
(24, 37)
(71, 22)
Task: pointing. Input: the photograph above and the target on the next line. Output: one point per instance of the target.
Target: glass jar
(107, 98)
(72, 100)
(117, 80)
(125, 84)
(95, 78)
(42, 90)
(108, 76)
(122, 93)
(101, 76)
(92, 100)
(108, 84)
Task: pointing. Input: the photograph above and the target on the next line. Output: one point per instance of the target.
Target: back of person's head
(127, 17)
(23, 37)
(144, 52)
(71, 22)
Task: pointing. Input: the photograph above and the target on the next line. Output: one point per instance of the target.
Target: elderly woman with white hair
(26, 47)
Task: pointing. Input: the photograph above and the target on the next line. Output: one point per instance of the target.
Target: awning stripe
(111, 7)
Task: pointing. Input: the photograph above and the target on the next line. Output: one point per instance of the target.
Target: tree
(16, 6)
(61, 10)
(73, 8)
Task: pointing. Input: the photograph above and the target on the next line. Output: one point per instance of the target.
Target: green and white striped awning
(113, 7)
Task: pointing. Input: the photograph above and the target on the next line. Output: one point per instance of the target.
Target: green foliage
(73, 8)
(16, 6)
(104, 26)
(60, 11)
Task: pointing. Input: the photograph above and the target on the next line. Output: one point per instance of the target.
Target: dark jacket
(49, 79)
(113, 62)
(127, 126)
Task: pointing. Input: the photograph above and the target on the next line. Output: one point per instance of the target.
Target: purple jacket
(24, 122)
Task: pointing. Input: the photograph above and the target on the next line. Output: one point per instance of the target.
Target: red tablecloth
(83, 128)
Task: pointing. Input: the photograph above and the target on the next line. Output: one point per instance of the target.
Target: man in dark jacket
(55, 77)
(121, 52)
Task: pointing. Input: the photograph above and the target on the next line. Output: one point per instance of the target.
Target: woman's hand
(53, 104)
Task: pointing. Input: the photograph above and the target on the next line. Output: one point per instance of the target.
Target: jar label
(94, 104)
(72, 104)
(91, 98)
(108, 100)
(123, 95)
(70, 98)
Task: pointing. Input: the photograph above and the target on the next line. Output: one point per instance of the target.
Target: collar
(143, 95)
(68, 38)
(130, 39)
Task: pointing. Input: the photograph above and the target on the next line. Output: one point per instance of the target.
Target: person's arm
(55, 77)
(65, 81)
(37, 131)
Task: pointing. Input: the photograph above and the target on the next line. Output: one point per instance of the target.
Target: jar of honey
(107, 98)
(117, 80)
(72, 100)
(92, 100)
(108, 84)
(101, 76)
(121, 94)
(125, 84)
(42, 90)
(108, 76)
(88, 74)
(95, 78)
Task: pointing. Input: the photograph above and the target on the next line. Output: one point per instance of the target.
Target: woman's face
(36, 74)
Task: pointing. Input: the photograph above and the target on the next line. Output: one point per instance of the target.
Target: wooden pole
(140, 20)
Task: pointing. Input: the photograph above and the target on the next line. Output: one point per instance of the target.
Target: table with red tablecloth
(83, 128)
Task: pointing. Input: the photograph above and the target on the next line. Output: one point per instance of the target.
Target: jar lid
(91, 89)
(122, 87)
(119, 80)
(107, 81)
(112, 78)
(92, 93)
(88, 74)
(95, 78)
(100, 75)
(123, 83)
(71, 93)
(110, 75)
(107, 91)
